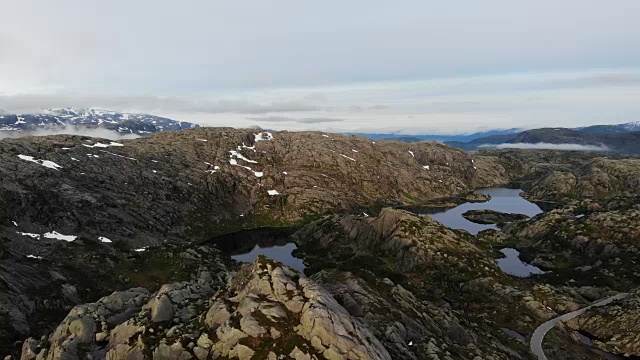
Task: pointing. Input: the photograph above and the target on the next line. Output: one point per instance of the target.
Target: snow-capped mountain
(632, 126)
(617, 128)
(124, 123)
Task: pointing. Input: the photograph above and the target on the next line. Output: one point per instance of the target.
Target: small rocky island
(492, 217)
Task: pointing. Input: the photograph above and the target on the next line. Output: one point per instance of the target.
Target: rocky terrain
(67, 203)
(79, 119)
(106, 249)
(561, 176)
(265, 311)
(603, 325)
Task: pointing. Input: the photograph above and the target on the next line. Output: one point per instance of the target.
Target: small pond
(274, 243)
(502, 200)
(512, 265)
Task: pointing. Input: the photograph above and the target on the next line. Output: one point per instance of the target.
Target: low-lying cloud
(548, 146)
(70, 130)
(310, 120)
(34, 103)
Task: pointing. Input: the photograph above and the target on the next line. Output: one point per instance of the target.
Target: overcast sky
(410, 66)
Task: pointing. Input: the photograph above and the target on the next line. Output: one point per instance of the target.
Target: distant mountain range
(124, 123)
(442, 138)
(621, 138)
(608, 129)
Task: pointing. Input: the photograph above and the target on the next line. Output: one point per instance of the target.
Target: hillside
(111, 201)
(108, 248)
(617, 128)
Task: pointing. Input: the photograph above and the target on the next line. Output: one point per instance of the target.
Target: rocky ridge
(265, 311)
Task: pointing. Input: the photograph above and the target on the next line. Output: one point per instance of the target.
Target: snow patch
(346, 157)
(240, 156)
(100, 145)
(263, 136)
(273, 192)
(14, 223)
(203, 140)
(426, 167)
(323, 135)
(34, 257)
(35, 236)
(411, 152)
(215, 169)
(104, 239)
(118, 155)
(247, 147)
(45, 163)
(56, 235)
(141, 249)
(355, 151)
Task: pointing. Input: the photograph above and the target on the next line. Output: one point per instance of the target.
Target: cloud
(597, 80)
(31, 103)
(277, 119)
(70, 130)
(548, 146)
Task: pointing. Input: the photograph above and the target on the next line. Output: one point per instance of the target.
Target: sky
(412, 66)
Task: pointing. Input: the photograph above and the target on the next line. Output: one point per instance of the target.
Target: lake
(274, 243)
(502, 200)
(512, 265)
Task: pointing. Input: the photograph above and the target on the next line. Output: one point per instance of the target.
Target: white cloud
(438, 106)
(548, 146)
(284, 119)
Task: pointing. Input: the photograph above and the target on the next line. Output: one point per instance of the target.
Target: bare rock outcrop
(265, 309)
(614, 327)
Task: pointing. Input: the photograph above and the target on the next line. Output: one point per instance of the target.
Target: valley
(375, 249)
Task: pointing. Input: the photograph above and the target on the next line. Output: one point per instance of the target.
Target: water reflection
(274, 243)
(280, 253)
(502, 200)
(512, 264)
